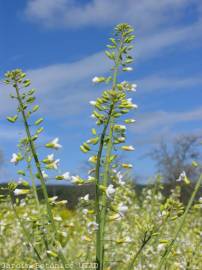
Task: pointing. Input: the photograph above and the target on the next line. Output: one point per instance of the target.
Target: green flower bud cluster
(17, 79)
(113, 103)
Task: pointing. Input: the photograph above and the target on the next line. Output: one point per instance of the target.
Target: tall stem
(169, 247)
(101, 214)
(38, 166)
(104, 197)
(97, 176)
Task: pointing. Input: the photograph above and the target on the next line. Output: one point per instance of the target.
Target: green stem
(33, 186)
(101, 215)
(104, 197)
(144, 243)
(169, 247)
(38, 166)
(37, 200)
(97, 176)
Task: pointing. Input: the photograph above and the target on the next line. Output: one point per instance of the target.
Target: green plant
(112, 105)
(25, 99)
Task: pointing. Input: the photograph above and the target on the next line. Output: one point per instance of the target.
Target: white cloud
(158, 24)
(153, 45)
(67, 85)
(169, 82)
(144, 14)
(61, 86)
(57, 76)
(9, 133)
(161, 119)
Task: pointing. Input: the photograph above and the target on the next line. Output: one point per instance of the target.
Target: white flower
(164, 213)
(181, 177)
(66, 176)
(95, 79)
(75, 179)
(120, 179)
(128, 87)
(92, 159)
(53, 199)
(21, 191)
(122, 209)
(57, 218)
(120, 127)
(50, 157)
(62, 202)
(54, 144)
(86, 197)
(110, 190)
(64, 234)
(45, 175)
(92, 102)
(128, 239)
(129, 121)
(91, 178)
(129, 100)
(14, 159)
(135, 106)
(123, 83)
(128, 147)
(98, 79)
(21, 180)
(55, 164)
(121, 139)
(92, 226)
(133, 87)
(127, 166)
(160, 247)
(127, 69)
(85, 211)
(93, 115)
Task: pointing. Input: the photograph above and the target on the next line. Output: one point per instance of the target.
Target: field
(148, 225)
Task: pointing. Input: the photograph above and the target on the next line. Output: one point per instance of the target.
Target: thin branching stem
(38, 166)
(180, 226)
(144, 243)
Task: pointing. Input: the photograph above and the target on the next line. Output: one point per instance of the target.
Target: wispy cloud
(155, 44)
(67, 86)
(57, 76)
(162, 82)
(62, 13)
(8, 133)
(156, 29)
(162, 119)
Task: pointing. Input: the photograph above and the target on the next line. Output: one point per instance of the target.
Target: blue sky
(60, 44)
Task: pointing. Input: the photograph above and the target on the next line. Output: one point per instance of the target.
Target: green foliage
(149, 214)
